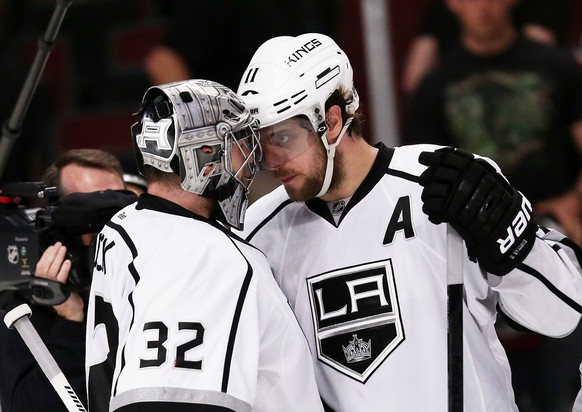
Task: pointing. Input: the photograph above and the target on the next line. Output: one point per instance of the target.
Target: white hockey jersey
(370, 293)
(184, 316)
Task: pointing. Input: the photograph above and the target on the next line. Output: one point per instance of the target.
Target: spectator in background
(440, 32)
(23, 386)
(518, 102)
(216, 39)
(511, 99)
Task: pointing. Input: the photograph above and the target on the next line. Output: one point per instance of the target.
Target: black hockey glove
(492, 217)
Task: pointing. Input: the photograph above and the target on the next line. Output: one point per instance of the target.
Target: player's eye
(281, 139)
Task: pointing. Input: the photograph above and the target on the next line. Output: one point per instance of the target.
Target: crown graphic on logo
(358, 350)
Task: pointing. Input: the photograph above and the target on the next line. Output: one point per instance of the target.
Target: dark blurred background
(95, 76)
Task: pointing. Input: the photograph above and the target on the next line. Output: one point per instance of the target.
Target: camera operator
(23, 386)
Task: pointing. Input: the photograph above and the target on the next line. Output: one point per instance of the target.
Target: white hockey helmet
(192, 128)
(292, 76)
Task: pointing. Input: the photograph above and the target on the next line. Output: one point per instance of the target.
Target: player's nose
(273, 157)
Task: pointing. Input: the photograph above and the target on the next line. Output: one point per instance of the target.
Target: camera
(20, 232)
(25, 233)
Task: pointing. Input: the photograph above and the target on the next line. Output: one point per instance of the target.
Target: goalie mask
(201, 131)
(295, 76)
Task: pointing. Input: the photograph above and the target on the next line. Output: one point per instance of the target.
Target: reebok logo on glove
(517, 227)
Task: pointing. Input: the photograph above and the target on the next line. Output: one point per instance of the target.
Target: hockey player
(183, 315)
(356, 237)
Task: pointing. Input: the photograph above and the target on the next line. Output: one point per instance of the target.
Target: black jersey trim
(268, 218)
(235, 321)
(379, 169)
(574, 247)
(403, 175)
(567, 300)
(135, 275)
(157, 406)
(377, 172)
(326, 407)
(126, 238)
(159, 204)
(562, 244)
(512, 323)
(319, 207)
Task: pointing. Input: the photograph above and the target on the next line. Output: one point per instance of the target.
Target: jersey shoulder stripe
(403, 175)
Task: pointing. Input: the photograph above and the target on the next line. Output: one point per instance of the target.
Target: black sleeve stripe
(562, 243)
(172, 407)
(130, 299)
(574, 247)
(570, 302)
(268, 218)
(235, 322)
(131, 268)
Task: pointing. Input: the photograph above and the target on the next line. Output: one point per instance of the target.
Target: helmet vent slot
(283, 109)
(299, 97)
(186, 97)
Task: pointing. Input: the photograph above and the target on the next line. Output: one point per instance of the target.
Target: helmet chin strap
(330, 149)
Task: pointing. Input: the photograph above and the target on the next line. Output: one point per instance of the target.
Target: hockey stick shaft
(455, 257)
(18, 318)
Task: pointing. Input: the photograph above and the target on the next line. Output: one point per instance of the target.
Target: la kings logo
(356, 317)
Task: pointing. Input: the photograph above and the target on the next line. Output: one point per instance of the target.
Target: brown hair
(94, 158)
(342, 98)
(155, 175)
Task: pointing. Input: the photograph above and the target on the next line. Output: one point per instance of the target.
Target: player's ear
(333, 120)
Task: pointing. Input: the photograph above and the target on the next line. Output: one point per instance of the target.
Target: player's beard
(314, 180)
